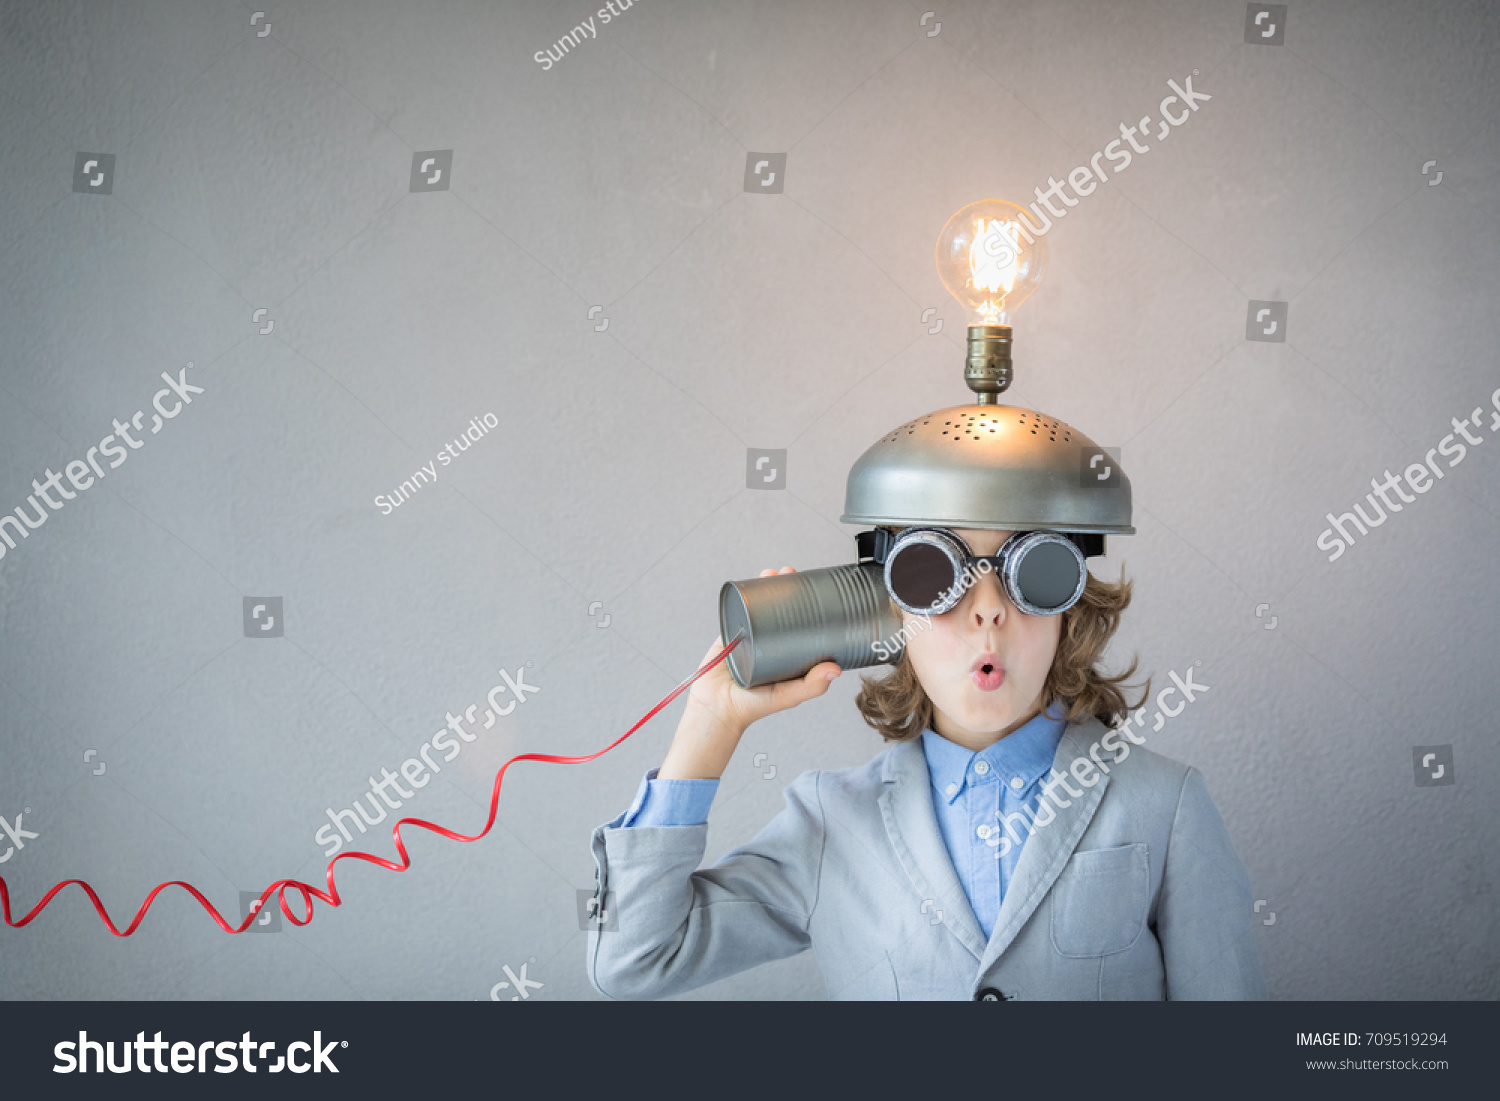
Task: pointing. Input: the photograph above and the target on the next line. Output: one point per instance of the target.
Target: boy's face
(977, 706)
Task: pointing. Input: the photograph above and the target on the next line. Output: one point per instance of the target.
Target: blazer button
(990, 994)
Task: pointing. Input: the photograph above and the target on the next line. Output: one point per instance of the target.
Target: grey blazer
(1133, 891)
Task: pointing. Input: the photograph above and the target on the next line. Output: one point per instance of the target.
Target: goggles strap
(873, 544)
(1091, 544)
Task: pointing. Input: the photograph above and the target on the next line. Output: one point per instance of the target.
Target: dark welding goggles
(928, 570)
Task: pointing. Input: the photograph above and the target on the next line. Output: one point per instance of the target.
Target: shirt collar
(1027, 753)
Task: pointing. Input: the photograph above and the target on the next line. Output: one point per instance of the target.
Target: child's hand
(719, 711)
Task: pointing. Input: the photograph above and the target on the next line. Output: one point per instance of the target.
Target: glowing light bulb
(990, 260)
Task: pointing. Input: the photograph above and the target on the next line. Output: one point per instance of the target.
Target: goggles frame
(882, 546)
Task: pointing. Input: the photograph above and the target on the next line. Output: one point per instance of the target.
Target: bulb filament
(992, 263)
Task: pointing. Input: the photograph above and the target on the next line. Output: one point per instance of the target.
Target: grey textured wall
(269, 163)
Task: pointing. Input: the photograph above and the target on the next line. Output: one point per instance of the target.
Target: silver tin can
(792, 621)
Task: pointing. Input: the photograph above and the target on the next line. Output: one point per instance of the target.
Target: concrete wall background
(273, 171)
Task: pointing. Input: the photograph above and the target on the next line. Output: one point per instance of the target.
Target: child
(1009, 845)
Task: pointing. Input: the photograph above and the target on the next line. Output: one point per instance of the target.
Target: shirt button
(983, 831)
(952, 788)
(1017, 783)
(990, 994)
(982, 767)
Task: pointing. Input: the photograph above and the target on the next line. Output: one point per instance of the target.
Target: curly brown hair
(898, 707)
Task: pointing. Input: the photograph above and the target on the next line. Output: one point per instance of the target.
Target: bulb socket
(988, 370)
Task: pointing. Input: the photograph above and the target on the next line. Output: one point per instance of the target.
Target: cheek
(933, 649)
(1042, 636)
(917, 644)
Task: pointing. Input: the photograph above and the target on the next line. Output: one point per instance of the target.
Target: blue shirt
(977, 798)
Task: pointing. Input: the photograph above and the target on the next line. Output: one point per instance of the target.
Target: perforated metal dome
(989, 466)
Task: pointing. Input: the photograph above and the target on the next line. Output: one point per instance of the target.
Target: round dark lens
(920, 574)
(1047, 575)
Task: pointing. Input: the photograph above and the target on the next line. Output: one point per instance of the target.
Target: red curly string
(331, 896)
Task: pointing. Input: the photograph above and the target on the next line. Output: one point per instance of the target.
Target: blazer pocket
(1099, 903)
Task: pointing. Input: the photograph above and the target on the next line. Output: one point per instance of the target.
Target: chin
(986, 712)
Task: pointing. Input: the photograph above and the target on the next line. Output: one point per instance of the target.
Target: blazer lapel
(1047, 851)
(911, 824)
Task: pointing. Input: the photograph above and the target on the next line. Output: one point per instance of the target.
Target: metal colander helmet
(989, 466)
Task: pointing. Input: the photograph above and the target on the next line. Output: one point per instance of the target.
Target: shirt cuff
(670, 802)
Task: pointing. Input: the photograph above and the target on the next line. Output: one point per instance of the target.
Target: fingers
(773, 573)
(790, 693)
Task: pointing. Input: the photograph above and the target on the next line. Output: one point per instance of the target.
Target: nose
(988, 606)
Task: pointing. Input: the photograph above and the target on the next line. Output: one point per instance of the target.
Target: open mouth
(987, 673)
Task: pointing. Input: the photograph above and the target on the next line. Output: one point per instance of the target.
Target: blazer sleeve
(676, 929)
(1204, 916)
